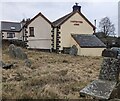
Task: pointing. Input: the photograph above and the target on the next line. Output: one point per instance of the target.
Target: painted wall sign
(76, 23)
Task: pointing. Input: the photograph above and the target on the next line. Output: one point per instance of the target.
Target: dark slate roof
(6, 26)
(61, 20)
(88, 41)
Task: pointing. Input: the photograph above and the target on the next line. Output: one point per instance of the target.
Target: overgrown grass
(51, 75)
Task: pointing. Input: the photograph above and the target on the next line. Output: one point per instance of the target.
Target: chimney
(23, 22)
(95, 24)
(76, 7)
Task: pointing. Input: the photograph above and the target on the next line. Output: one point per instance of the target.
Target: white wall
(69, 28)
(42, 32)
(55, 31)
(40, 44)
(91, 51)
(17, 35)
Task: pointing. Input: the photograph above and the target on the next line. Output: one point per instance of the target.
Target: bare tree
(106, 26)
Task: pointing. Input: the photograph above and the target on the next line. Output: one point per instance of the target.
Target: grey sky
(16, 11)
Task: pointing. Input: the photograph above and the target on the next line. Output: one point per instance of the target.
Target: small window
(31, 30)
(10, 35)
(12, 28)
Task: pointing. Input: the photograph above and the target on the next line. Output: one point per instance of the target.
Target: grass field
(52, 76)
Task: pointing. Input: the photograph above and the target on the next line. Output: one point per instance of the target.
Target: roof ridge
(39, 14)
(9, 22)
(62, 17)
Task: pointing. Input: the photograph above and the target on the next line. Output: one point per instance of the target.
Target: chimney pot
(76, 7)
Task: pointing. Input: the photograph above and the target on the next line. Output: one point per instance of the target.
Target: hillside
(50, 76)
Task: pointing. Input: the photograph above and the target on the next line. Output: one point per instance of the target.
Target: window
(10, 35)
(12, 28)
(31, 30)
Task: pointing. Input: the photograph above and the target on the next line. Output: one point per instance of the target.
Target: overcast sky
(12, 10)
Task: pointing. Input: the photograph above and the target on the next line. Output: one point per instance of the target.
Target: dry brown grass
(51, 76)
